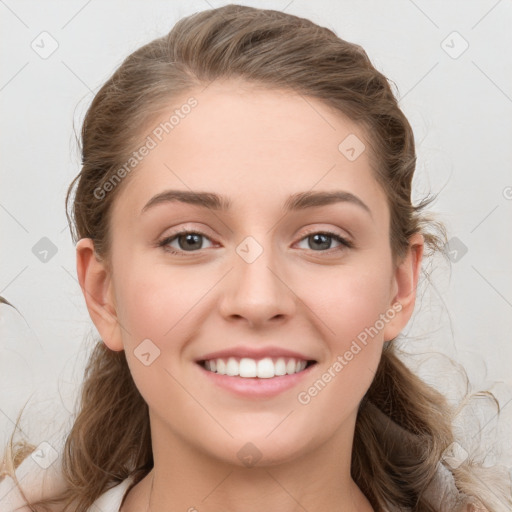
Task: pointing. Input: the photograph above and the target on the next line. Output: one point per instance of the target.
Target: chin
(262, 451)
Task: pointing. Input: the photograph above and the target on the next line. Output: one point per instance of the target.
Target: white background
(460, 109)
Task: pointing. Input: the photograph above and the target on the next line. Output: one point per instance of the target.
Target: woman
(248, 251)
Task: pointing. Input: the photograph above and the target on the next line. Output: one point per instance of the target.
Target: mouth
(249, 368)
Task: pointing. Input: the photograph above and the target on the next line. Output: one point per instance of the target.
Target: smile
(262, 379)
(246, 367)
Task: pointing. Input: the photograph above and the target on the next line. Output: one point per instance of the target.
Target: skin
(256, 147)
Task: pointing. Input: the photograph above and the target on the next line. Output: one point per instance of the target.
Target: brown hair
(275, 50)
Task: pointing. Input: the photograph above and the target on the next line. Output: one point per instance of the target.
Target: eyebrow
(296, 202)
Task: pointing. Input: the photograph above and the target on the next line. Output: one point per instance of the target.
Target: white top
(110, 501)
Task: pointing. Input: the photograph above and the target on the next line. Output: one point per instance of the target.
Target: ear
(405, 281)
(96, 283)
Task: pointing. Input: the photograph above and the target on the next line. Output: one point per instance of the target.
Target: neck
(184, 479)
(259, 497)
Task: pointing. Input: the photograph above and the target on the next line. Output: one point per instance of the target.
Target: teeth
(246, 367)
(221, 366)
(266, 368)
(290, 366)
(280, 367)
(232, 367)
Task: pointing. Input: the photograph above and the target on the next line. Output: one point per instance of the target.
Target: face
(278, 276)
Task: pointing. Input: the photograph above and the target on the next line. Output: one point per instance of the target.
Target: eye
(322, 241)
(188, 241)
(191, 241)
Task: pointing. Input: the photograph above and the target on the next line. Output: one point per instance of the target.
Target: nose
(257, 292)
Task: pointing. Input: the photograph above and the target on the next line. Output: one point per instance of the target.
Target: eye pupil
(324, 244)
(191, 237)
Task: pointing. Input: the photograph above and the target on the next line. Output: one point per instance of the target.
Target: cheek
(352, 302)
(160, 309)
(152, 300)
(354, 312)
(354, 350)
(155, 314)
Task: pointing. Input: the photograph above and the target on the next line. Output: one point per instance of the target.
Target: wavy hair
(404, 425)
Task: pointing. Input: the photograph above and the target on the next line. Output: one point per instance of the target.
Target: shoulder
(11, 500)
(112, 499)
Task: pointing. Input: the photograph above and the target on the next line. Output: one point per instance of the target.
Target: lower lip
(254, 387)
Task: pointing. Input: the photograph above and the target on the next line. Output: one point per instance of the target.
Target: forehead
(244, 140)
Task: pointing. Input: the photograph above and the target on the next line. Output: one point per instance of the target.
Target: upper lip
(254, 353)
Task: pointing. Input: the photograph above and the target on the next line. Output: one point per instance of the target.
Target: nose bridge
(256, 290)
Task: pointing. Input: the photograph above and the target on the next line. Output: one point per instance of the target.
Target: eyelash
(164, 242)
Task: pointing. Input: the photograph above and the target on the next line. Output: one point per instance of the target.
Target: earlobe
(96, 284)
(405, 283)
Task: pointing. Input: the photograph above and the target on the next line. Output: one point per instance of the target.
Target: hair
(403, 425)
